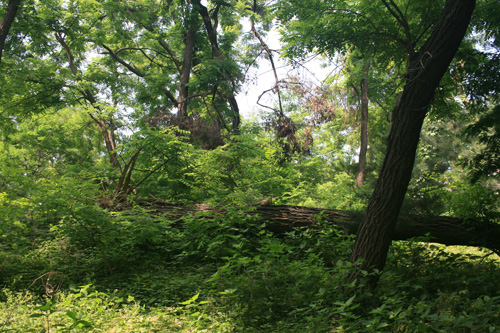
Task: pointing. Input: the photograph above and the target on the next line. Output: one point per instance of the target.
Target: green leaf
(37, 315)
(191, 300)
(72, 315)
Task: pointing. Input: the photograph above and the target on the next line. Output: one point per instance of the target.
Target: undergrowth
(137, 272)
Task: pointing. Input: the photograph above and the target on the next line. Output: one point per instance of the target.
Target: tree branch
(108, 131)
(123, 62)
(69, 55)
(171, 53)
(270, 55)
(399, 16)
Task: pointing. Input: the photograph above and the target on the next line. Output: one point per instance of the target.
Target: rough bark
(6, 22)
(424, 71)
(281, 219)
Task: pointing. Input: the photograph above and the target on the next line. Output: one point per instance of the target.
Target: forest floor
(138, 271)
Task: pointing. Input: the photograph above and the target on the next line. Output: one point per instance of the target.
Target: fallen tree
(281, 219)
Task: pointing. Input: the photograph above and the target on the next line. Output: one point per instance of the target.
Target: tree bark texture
(6, 22)
(424, 71)
(281, 219)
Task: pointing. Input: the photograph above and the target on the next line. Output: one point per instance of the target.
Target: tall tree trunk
(424, 71)
(187, 63)
(235, 126)
(6, 22)
(360, 178)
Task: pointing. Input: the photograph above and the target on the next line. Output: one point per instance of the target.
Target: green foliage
(227, 273)
(468, 200)
(141, 271)
(440, 184)
(85, 309)
(335, 26)
(486, 162)
(163, 164)
(286, 279)
(340, 193)
(445, 290)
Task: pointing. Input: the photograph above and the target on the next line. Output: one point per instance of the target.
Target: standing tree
(416, 32)
(425, 68)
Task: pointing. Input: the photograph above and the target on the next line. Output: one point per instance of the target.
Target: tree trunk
(216, 54)
(424, 71)
(281, 219)
(360, 178)
(107, 130)
(6, 22)
(187, 63)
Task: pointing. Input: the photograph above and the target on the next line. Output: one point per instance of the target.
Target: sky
(262, 78)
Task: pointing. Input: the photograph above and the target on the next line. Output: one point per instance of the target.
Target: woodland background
(135, 196)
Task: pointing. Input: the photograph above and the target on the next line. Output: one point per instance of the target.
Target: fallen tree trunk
(281, 219)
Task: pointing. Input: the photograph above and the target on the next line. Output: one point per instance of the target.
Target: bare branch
(265, 106)
(271, 60)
